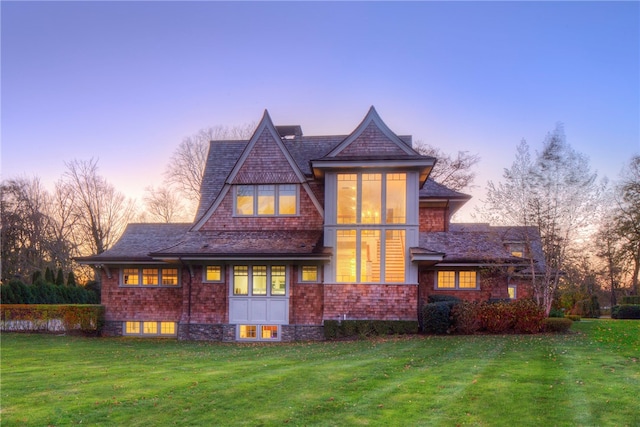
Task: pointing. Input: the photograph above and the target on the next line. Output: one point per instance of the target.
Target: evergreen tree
(48, 276)
(71, 280)
(60, 278)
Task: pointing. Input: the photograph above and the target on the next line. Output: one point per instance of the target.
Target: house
(293, 230)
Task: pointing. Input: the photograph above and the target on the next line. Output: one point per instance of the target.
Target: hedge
(39, 317)
(363, 328)
(17, 292)
(625, 311)
(557, 324)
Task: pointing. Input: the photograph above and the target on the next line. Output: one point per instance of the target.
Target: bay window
(370, 240)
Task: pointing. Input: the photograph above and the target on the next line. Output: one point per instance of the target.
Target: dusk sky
(125, 82)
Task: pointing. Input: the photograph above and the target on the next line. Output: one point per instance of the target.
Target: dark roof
(138, 240)
(246, 243)
(434, 190)
(482, 243)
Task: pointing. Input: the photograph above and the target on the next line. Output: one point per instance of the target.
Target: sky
(125, 82)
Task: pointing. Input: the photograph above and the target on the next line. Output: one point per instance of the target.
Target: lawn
(590, 377)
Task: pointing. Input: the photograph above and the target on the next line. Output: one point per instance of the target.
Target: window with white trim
(457, 279)
(266, 200)
(212, 273)
(309, 273)
(259, 280)
(359, 255)
(150, 328)
(150, 277)
(513, 291)
(259, 332)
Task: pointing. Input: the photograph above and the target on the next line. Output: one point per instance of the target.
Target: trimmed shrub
(528, 316)
(436, 317)
(626, 311)
(631, 299)
(466, 317)
(557, 324)
(443, 298)
(497, 317)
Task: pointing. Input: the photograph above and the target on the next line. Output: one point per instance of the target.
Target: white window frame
(457, 280)
(276, 202)
(301, 278)
(159, 277)
(141, 332)
(259, 332)
(250, 280)
(204, 273)
(515, 291)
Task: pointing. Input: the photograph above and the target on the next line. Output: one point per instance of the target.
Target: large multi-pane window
(150, 277)
(371, 198)
(370, 245)
(259, 280)
(266, 200)
(359, 254)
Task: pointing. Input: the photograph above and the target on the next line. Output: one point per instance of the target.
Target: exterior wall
(379, 302)
(492, 286)
(434, 219)
(306, 302)
(223, 218)
(140, 303)
(209, 301)
(524, 289)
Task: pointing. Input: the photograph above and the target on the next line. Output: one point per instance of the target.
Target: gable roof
(219, 174)
(389, 144)
(470, 243)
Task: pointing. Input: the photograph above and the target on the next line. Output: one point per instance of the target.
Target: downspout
(189, 267)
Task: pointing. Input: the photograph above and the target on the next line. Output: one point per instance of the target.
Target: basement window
(150, 328)
(259, 332)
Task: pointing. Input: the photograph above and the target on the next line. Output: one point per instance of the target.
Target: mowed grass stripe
(423, 380)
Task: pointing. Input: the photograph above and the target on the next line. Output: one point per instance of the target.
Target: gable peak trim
(372, 116)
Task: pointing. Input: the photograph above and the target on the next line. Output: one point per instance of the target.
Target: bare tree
(29, 241)
(558, 194)
(186, 166)
(627, 219)
(100, 212)
(164, 205)
(453, 172)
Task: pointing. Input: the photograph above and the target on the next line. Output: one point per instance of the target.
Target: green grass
(590, 377)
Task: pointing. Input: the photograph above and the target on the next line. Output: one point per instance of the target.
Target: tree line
(590, 229)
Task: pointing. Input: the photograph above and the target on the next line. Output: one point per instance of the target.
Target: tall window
(359, 254)
(370, 245)
(266, 200)
(259, 280)
(372, 198)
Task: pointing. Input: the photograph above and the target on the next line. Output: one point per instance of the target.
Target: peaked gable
(265, 159)
(372, 138)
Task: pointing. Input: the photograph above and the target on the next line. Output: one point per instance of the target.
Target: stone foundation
(302, 333)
